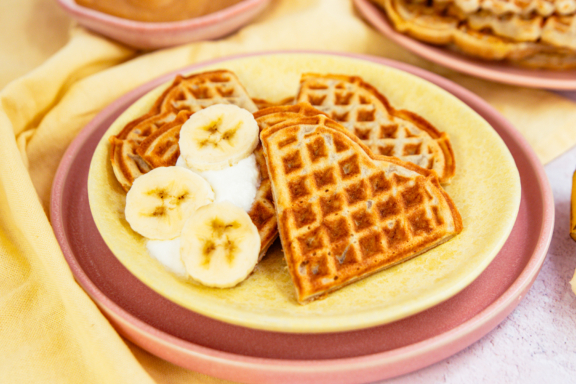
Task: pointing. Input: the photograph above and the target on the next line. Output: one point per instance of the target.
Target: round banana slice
(219, 245)
(161, 200)
(218, 137)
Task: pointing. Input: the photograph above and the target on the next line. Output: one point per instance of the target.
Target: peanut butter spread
(157, 10)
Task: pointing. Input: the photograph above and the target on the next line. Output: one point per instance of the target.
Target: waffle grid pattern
(263, 216)
(201, 91)
(346, 101)
(163, 151)
(126, 162)
(344, 216)
(185, 94)
(151, 141)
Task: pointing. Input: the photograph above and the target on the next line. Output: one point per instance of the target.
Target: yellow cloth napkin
(50, 330)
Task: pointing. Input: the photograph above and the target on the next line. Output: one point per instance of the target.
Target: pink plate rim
(197, 22)
(499, 72)
(365, 368)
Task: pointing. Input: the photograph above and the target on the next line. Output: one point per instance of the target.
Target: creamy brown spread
(157, 10)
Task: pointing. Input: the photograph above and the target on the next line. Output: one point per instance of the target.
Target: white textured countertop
(536, 343)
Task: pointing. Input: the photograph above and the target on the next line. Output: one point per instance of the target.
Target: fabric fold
(51, 330)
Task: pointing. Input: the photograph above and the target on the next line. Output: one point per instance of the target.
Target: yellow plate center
(486, 191)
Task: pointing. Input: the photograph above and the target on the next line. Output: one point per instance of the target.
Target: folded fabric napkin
(50, 329)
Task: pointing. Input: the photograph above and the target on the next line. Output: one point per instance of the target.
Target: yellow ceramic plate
(486, 190)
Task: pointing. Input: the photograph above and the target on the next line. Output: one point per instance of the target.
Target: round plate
(486, 191)
(242, 354)
(499, 72)
(148, 35)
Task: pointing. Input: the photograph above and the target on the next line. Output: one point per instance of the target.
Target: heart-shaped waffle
(345, 213)
(191, 94)
(386, 131)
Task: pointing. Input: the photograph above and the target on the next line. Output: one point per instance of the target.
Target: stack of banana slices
(181, 208)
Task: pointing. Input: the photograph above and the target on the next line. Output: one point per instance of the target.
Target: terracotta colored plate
(241, 354)
(147, 35)
(499, 72)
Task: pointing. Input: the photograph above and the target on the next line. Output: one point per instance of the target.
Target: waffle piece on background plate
(556, 31)
(190, 93)
(560, 31)
(386, 131)
(555, 61)
(345, 213)
(506, 7)
(552, 50)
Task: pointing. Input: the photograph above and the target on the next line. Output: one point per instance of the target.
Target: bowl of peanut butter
(152, 24)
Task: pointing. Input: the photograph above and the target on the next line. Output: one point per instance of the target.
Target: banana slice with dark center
(160, 201)
(220, 245)
(218, 137)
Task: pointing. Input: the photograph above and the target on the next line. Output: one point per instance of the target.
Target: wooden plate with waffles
(485, 188)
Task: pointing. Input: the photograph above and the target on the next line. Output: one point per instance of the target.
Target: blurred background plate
(242, 354)
(153, 35)
(499, 72)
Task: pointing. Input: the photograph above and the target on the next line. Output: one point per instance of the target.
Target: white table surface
(536, 343)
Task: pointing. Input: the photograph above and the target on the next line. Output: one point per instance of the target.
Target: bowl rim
(196, 22)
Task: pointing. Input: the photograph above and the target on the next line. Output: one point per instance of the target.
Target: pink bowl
(146, 35)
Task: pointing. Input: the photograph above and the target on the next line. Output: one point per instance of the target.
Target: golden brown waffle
(262, 104)
(263, 216)
(263, 213)
(126, 162)
(202, 90)
(161, 149)
(526, 8)
(386, 131)
(513, 27)
(445, 28)
(425, 24)
(345, 213)
(151, 141)
(556, 31)
(270, 116)
(550, 61)
(560, 31)
(192, 94)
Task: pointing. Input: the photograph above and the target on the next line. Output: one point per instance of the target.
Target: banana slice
(220, 245)
(218, 137)
(161, 200)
